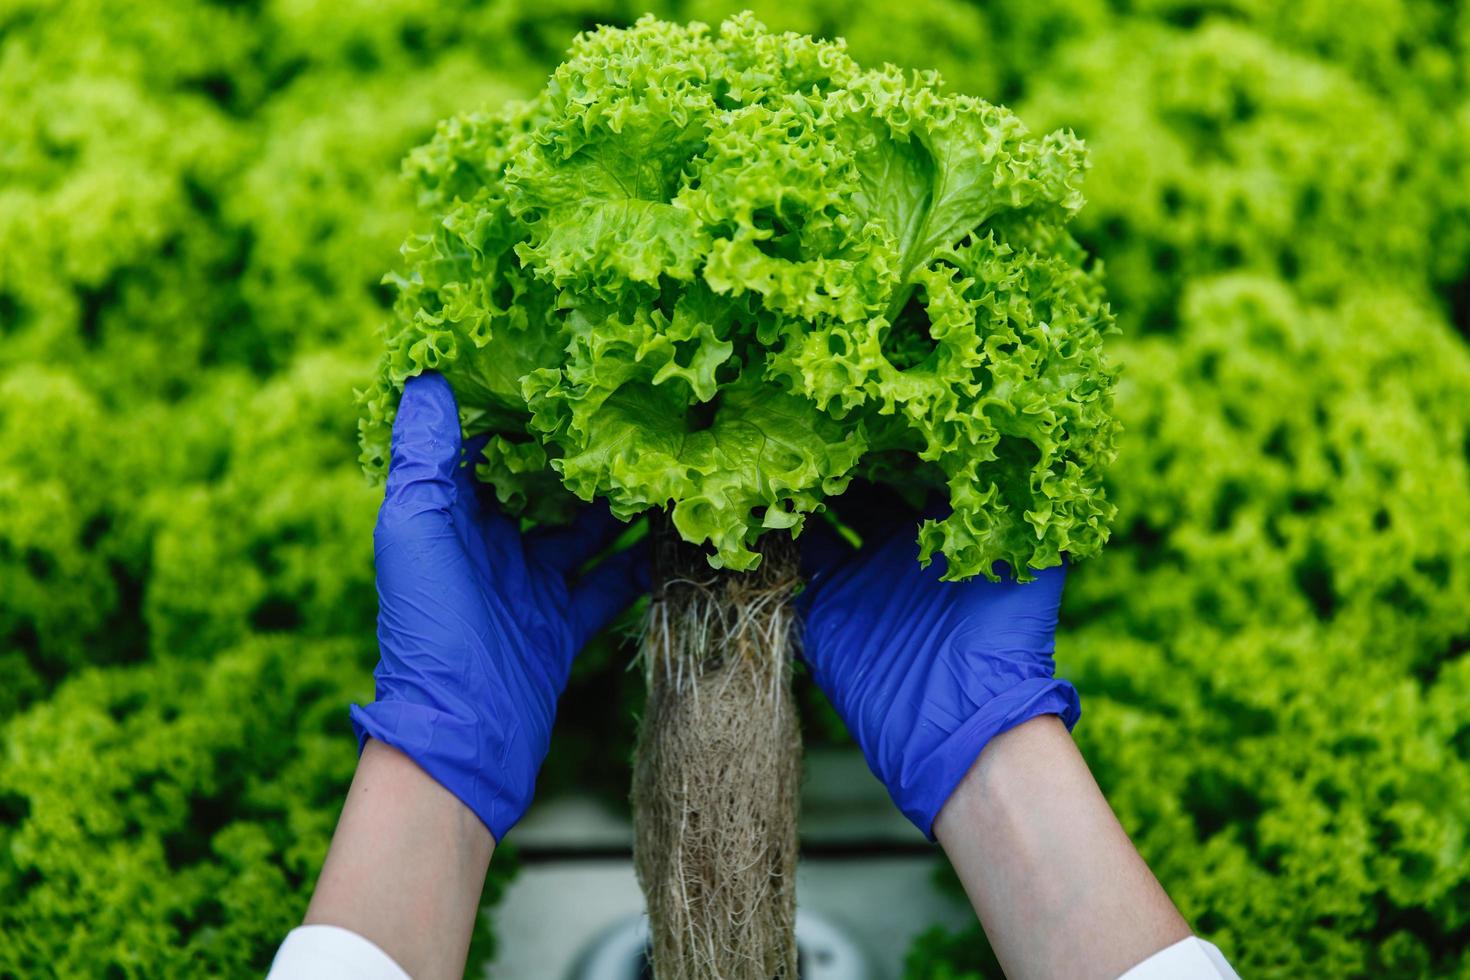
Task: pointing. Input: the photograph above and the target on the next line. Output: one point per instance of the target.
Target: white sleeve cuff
(1188, 959)
(331, 953)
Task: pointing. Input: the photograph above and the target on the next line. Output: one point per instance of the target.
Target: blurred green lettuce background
(198, 201)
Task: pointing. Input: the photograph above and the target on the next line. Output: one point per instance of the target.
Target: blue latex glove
(477, 625)
(924, 672)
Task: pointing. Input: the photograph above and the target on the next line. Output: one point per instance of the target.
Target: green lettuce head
(727, 271)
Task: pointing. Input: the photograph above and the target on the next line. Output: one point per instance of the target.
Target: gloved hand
(477, 625)
(924, 672)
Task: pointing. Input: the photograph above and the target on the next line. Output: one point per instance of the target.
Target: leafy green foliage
(156, 829)
(1222, 151)
(196, 206)
(193, 221)
(56, 591)
(289, 542)
(726, 271)
(1295, 463)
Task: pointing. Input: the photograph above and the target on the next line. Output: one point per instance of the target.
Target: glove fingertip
(426, 442)
(427, 396)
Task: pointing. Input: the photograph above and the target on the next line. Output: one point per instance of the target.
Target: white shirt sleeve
(332, 953)
(1188, 959)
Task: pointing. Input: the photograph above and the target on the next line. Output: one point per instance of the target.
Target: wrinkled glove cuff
(934, 780)
(445, 746)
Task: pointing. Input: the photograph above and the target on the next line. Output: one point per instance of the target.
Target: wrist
(991, 790)
(936, 762)
(453, 747)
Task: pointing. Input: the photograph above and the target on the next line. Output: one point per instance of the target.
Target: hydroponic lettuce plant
(718, 275)
(727, 271)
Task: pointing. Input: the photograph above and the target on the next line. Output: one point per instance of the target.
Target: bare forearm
(1058, 886)
(406, 866)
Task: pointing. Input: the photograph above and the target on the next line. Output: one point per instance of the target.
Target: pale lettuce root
(719, 766)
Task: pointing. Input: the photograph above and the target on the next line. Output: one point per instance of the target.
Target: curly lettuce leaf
(723, 272)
